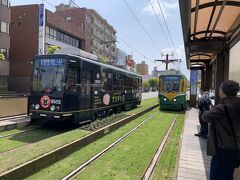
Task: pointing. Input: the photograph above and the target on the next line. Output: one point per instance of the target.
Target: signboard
(41, 25)
(193, 82)
(51, 62)
(171, 78)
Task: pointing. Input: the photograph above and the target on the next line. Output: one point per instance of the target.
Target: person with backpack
(203, 105)
(224, 135)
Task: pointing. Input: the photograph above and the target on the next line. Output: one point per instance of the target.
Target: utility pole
(167, 60)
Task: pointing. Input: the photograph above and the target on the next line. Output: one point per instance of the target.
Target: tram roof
(172, 72)
(94, 62)
(208, 26)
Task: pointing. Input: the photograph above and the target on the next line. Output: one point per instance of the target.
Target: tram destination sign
(51, 62)
(171, 78)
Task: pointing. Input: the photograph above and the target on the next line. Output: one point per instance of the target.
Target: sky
(148, 38)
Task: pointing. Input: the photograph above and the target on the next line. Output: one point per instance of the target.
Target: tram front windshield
(171, 84)
(48, 74)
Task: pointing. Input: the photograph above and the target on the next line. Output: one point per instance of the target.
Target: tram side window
(134, 85)
(86, 83)
(126, 83)
(109, 82)
(130, 85)
(72, 78)
(116, 82)
(139, 85)
(121, 77)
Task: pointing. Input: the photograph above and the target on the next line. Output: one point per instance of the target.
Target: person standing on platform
(224, 136)
(203, 105)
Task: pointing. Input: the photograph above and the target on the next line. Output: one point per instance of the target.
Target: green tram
(172, 90)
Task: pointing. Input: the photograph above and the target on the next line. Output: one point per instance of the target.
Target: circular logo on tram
(45, 101)
(106, 99)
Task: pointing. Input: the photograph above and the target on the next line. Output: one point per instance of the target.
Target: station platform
(13, 122)
(193, 161)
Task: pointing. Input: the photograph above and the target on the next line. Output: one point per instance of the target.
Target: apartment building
(4, 44)
(142, 68)
(33, 29)
(100, 36)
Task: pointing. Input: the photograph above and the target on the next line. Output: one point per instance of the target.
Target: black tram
(80, 88)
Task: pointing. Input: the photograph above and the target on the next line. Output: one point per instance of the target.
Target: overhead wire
(137, 51)
(126, 43)
(134, 49)
(164, 19)
(143, 27)
(159, 23)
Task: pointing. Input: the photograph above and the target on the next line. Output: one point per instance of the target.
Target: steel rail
(148, 172)
(20, 132)
(93, 159)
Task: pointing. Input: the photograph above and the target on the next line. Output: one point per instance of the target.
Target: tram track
(151, 166)
(29, 167)
(17, 133)
(148, 171)
(100, 154)
(15, 140)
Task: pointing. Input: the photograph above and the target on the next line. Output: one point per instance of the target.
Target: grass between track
(18, 140)
(2, 133)
(68, 164)
(129, 158)
(166, 166)
(28, 152)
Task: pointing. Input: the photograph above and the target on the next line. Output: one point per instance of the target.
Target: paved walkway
(7, 124)
(193, 162)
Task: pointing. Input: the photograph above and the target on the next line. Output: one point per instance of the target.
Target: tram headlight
(37, 106)
(174, 100)
(52, 108)
(33, 106)
(165, 99)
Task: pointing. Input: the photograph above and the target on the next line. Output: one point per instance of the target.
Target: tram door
(71, 102)
(85, 93)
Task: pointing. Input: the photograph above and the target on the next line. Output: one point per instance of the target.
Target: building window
(5, 53)
(3, 83)
(4, 2)
(52, 33)
(47, 31)
(4, 27)
(62, 37)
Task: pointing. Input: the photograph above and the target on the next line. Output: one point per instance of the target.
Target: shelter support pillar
(203, 79)
(193, 87)
(207, 77)
(222, 69)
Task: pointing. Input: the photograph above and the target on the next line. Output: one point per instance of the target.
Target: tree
(52, 49)
(153, 83)
(146, 86)
(104, 59)
(2, 57)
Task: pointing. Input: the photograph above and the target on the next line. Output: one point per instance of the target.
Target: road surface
(149, 95)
